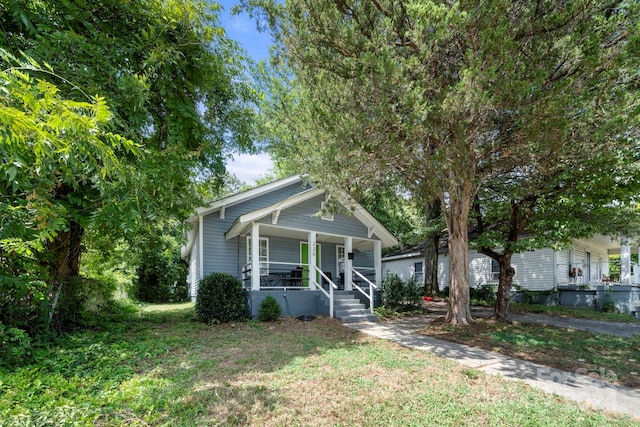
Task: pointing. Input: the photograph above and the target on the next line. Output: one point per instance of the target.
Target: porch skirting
(292, 302)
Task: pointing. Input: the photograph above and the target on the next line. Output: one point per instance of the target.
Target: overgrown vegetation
(159, 367)
(400, 295)
(220, 299)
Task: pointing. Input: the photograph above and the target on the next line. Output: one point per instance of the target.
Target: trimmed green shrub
(269, 310)
(220, 299)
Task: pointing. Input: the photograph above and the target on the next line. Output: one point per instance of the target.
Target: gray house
(278, 239)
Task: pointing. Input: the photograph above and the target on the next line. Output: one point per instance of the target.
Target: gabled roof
(245, 195)
(243, 222)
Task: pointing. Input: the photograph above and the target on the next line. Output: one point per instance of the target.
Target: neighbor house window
(495, 270)
(418, 271)
(263, 255)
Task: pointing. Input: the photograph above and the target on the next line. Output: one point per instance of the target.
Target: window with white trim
(495, 269)
(263, 255)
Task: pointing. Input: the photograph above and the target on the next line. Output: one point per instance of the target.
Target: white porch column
(625, 261)
(377, 262)
(348, 263)
(312, 259)
(255, 257)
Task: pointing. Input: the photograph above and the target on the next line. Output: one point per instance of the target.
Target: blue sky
(243, 29)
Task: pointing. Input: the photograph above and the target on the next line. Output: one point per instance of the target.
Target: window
(495, 269)
(418, 271)
(326, 215)
(263, 255)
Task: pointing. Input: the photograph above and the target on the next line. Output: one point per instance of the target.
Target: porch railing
(278, 275)
(328, 294)
(372, 286)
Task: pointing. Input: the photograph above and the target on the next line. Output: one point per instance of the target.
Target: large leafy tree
(575, 197)
(174, 85)
(448, 96)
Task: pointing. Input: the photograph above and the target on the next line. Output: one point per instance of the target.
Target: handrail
(329, 294)
(371, 287)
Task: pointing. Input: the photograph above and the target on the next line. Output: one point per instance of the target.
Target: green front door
(304, 259)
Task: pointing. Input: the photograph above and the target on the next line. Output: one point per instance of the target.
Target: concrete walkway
(571, 385)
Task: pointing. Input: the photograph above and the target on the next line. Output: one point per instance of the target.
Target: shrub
(269, 310)
(399, 295)
(15, 346)
(483, 295)
(220, 299)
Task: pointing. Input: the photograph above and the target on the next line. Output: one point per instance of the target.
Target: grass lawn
(571, 312)
(610, 358)
(163, 368)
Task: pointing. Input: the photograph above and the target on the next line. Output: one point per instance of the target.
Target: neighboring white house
(587, 261)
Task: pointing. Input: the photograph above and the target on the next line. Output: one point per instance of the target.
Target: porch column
(255, 257)
(312, 259)
(377, 262)
(625, 261)
(348, 263)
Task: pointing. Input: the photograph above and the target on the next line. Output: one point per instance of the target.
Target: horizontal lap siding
(228, 256)
(534, 270)
(403, 268)
(304, 217)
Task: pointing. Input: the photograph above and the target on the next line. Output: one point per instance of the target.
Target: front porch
(306, 271)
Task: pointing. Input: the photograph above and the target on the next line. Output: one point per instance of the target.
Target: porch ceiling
(267, 230)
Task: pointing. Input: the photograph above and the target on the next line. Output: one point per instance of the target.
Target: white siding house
(586, 261)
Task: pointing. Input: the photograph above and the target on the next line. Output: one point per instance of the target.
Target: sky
(242, 29)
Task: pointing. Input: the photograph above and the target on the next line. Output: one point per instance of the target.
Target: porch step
(349, 309)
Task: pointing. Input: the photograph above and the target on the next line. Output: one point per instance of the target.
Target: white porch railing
(328, 294)
(372, 286)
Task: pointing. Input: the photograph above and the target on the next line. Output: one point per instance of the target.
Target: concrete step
(359, 318)
(349, 309)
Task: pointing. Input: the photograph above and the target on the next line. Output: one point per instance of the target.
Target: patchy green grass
(581, 313)
(163, 368)
(607, 357)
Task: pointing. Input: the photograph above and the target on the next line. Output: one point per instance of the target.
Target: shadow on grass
(161, 365)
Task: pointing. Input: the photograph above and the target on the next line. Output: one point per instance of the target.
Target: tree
(175, 86)
(552, 206)
(448, 96)
(47, 142)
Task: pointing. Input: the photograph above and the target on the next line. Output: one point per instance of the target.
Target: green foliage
(162, 279)
(269, 310)
(15, 347)
(484, 295)
(220, 299)
(109, 119)
(504, 100)
(399, 295)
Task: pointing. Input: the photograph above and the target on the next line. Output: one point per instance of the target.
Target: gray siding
(304, 216)
(194, 269)
(229, 256)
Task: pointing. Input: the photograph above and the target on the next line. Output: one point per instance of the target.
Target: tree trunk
(65, 252)
(501, 310)
(457, 215)
(432, 242)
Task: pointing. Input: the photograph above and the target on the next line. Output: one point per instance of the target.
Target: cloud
(249, 167)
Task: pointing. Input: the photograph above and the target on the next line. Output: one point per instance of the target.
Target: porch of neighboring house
(592, 266)
(311, 273)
